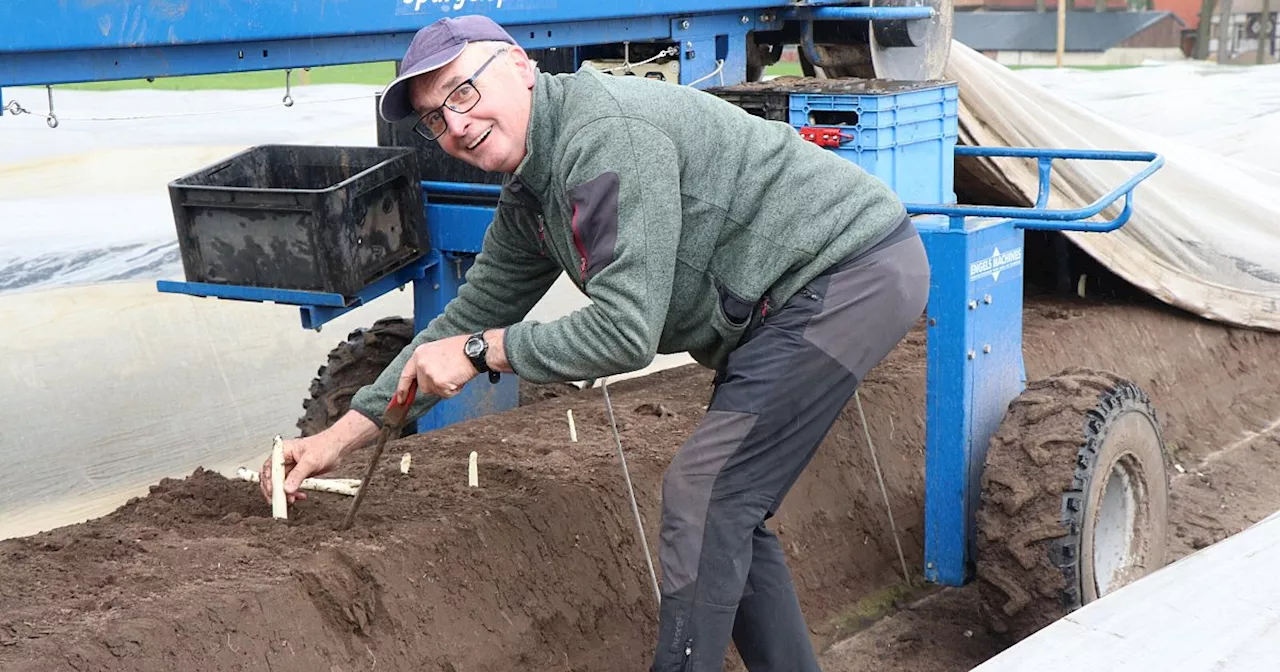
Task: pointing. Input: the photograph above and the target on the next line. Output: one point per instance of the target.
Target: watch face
(474, 347)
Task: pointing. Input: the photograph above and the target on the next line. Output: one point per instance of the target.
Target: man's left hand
(441, 367)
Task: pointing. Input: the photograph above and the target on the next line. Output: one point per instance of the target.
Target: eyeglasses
(461, 99)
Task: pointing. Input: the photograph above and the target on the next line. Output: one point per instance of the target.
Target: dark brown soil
(539, 568)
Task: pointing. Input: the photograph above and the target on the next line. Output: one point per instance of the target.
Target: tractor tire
(1075, 500)
(354, 363)
(358, 360)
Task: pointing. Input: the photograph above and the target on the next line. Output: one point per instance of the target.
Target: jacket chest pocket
(531, 222)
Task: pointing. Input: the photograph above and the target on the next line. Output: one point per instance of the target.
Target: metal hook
(288, 99)
(51, 119)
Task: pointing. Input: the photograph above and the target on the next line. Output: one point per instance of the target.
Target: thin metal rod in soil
(626, 475)
(906, 575)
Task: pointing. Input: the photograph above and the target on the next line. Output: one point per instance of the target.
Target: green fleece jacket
(676, 212)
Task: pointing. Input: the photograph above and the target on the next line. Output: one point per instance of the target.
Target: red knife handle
(395, 413)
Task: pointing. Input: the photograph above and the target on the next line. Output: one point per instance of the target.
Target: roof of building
(1038, 31)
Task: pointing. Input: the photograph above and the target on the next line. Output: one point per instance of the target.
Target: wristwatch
(476, 349)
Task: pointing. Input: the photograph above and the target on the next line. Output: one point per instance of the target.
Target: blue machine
(906, 134)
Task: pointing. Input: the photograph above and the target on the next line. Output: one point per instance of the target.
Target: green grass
(376, 74)
(784, 69)
(373, 74)
(873, 607)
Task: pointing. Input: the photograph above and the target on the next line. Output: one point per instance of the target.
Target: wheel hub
(1116, 532)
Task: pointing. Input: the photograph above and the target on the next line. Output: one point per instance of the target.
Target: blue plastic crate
(904, 134)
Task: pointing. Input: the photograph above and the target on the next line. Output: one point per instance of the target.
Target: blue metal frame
(973, 370)
(317, 308)
(976, 253)
(1038, 216)
(974, 365)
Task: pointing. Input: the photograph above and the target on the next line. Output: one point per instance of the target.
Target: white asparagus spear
(337, 486)
(279, 505)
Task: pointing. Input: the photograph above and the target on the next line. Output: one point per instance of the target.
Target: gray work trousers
(724, 574)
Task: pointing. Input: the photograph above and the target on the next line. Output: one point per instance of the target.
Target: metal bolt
(987, 299)
(746, 20)
(684, 25)
(933, 321)
(986, 349)
(973, 305)
(930, 565)
(971, 355)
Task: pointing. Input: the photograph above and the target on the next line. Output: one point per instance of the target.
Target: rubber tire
(361, 358)
(1046, 469)
(352, 364)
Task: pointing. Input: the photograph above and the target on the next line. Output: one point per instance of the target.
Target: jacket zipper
(582, 248)
(542, 235)
(688, 655)
(521, 201)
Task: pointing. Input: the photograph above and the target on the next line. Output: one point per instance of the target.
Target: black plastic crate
(314, 218)
(763, 103)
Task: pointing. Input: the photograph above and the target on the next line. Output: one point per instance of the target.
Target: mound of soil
(539, 568)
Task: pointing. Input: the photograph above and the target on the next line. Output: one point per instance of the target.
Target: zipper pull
(582, 269)
(542, 235)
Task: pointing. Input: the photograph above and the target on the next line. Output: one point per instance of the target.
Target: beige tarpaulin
(1205, 233)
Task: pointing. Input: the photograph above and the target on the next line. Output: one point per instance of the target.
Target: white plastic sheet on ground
(1205, 233)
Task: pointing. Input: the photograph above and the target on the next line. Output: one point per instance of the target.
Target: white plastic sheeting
(1212, 611)
(1205, 233)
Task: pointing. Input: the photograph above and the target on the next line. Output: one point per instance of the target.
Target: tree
(1202, 31)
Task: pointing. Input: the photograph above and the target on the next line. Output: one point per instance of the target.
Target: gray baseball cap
(432, 48)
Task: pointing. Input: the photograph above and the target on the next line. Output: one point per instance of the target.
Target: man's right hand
(318, 454)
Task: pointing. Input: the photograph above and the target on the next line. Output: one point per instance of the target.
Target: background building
(1014, 34)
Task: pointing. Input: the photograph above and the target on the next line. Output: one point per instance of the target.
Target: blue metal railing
(858, 13)
(460, 188)
(1037, 216)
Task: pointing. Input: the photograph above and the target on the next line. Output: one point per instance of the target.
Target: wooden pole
(1224, 32)
(1265, 30)
(1061, 31)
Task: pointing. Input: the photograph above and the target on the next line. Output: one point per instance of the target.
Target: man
(693, 227)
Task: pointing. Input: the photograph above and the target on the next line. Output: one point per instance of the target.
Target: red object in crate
(825, 137)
